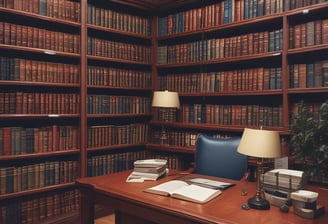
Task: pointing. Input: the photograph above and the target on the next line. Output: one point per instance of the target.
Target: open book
(182, 190)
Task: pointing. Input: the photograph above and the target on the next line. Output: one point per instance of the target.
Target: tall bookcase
(237, 64)
(118, 86)
(75, 100)
(40, 109)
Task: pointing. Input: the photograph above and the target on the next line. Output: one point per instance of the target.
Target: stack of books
(305, 204)
(148, 169)
(279, 183)
(284, 179)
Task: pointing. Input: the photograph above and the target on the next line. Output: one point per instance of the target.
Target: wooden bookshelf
(40, 109)
(118, 86)
(76, 84)
(239, 64)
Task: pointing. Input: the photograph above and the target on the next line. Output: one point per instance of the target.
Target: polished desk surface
(130, 200)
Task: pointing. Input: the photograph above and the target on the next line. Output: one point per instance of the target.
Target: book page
(195, 193)
(167, 188)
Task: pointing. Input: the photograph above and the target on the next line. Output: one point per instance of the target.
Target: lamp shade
(260, 143)
(166, 99)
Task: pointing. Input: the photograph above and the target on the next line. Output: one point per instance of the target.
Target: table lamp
(260, 144)
(165, 100)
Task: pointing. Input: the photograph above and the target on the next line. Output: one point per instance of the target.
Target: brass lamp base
(259, 203)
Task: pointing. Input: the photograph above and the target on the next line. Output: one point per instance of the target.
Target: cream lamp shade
(166, 99)
(260, 143)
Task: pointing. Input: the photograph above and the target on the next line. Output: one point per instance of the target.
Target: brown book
(324, 31)
(296, 37)
(317, 32)
(6, 33)
(7, 150)
(302, 75)
(13, 34)
(2, 33)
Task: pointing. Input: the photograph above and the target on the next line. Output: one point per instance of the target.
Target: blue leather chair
(219, 157)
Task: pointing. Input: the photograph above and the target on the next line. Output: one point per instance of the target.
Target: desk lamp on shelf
(260, 144)
(165, 100)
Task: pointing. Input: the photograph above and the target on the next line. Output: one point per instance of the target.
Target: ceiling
(157, 5)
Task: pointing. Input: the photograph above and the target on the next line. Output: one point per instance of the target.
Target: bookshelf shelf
(250, 58)
(174, 149)
(37, 116)
(308, 49)
(36, 191)
(310, 91)
(118, 32)
(116, 147)
(232, 94)
(39, 155)
(115, 60)
(39, 51)
(213, 127)
(123, 115)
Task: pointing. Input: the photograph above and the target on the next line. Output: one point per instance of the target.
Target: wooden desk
(133, 206)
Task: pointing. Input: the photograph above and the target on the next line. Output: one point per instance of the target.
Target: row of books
(38, 71)
(36, 209)
(242, 45)
(39, 103)
(294, 4)
(177, 161)
(114, 162)
(22, 140)
(106, 104)
(313, 108)
(181, 138)
(27, 177)
(119, 50)
(35, 37)
(309, 75)
(107, 135)
(308, 34)
(170, 114)
(252, 79)
(241, 115)
(223, 12)
(66, 9)
(117, 20)
(105, 76)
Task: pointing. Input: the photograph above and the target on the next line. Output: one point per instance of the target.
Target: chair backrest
(219, 157)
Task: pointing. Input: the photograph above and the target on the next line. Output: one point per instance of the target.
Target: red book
(7, 141)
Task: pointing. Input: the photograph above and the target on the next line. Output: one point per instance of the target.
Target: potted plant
(309, 141)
